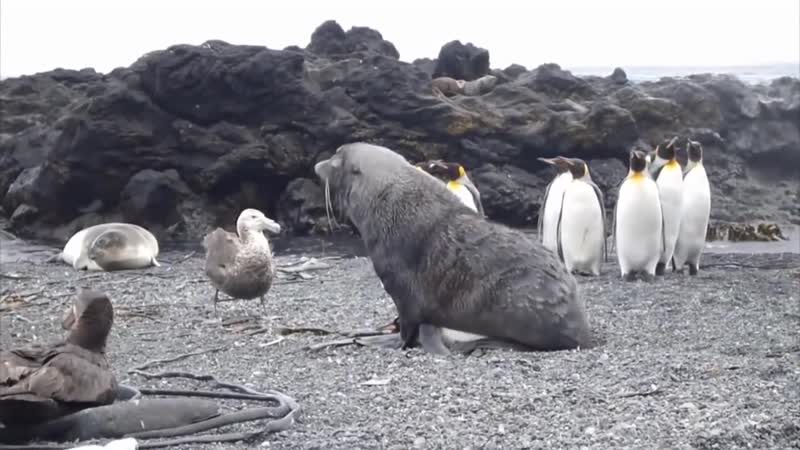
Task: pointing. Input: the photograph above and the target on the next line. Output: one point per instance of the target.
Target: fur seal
(111, 246)
(241, 265)
(445, 266)
(696, 208)
(447, 86)
(40, 383)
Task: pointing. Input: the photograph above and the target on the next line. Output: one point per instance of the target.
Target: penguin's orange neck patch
(672, 165)
(637, 177)
(453, 185)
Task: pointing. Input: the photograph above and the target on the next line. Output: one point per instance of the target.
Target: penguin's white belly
(581, 233)
(638, 226)
(463, 194)
(450, 334)
(695, 210)
(552, 210)
(670, 187)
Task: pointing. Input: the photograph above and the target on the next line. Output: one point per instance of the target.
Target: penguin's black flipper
(600, 199)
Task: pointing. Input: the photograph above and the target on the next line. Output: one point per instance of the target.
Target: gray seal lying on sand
(445, 266)
(241, 265)
(111, 246)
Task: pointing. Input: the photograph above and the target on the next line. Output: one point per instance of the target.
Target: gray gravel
(705, 362)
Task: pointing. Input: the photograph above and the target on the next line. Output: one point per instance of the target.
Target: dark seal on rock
(444, 265)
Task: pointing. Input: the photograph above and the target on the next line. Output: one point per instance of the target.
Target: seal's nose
(321, 168)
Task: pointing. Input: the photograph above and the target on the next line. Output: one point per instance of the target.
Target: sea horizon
(748, 73)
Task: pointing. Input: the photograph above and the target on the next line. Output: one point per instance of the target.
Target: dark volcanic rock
(301, 207)
(462, 62)
(197, 133)
(153, 197)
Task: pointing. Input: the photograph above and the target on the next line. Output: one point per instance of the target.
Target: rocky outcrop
(186, 137)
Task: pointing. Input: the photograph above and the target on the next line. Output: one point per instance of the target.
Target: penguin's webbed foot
(661, 268)
(630, 276)
(648, 277)
(693, 269)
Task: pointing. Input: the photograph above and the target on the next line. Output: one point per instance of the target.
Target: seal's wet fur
(446, 266)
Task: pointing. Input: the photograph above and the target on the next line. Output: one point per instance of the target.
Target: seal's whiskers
(329, 207)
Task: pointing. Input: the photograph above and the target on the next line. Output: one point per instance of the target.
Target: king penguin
(695, 210)
(669, 178)
(457, 181)
(550, 205)
(638, 221)
(582, 222)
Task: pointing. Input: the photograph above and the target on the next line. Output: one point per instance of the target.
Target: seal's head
(638, 161)
(360, 178)
(89, 320)
(578, 168)
(254, 220)
(108, 244)
(561, 163)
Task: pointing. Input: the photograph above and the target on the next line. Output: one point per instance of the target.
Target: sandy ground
(706, 362)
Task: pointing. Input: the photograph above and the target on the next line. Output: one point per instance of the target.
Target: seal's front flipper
(409, 331)
(390, 341)
(467, 347)
(430, 337)
(55, 258)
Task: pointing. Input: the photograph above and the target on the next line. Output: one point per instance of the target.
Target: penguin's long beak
(672, 142)
(551, 161)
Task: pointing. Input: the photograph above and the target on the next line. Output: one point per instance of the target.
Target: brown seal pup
(241, 265)
(445, 266)
(40, 383)
(447, 86)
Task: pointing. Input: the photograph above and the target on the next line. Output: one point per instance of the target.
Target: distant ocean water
(748, 74)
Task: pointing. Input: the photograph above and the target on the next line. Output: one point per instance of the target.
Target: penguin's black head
(666, 150)
(444, 170)
(695, 151)
(578, 168)
(561, 163)
(638, 160)
(434, 167)
(455, 171)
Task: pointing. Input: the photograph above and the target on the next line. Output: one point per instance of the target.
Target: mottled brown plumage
(43, 382)
(241, 265)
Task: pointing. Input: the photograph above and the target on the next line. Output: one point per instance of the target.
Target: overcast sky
(39, 35)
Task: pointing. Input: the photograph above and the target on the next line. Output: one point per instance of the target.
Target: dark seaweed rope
(287, 407)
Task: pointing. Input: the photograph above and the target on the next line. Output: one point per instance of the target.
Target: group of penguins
(660, 216)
